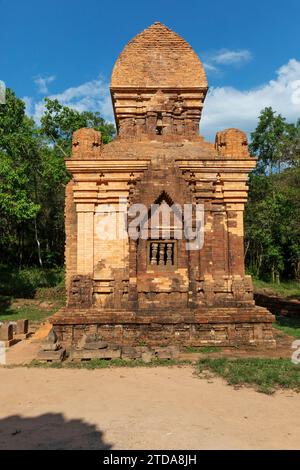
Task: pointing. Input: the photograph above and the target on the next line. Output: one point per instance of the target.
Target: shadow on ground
(49, 431)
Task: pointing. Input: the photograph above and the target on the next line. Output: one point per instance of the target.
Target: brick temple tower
(154, 289)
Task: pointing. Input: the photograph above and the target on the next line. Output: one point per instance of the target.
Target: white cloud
(229, 107)
(90, 96)
(28, 104)
(43, 82)
(224, 106)
(2, 92)
(227, 57)
(208, 67)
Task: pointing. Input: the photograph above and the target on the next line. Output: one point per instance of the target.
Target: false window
(162, 254)
(159, 126)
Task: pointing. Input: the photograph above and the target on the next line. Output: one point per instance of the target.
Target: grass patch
(18, 288)
(266, 375)
(289, 289)
(30, 312)
(289, 326)
(105, 364)
(203, 349)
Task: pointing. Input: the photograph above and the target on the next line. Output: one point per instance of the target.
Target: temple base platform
(247, 326)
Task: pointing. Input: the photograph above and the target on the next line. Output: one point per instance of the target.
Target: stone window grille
(162, 254)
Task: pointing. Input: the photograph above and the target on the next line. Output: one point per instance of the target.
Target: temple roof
(158, 58)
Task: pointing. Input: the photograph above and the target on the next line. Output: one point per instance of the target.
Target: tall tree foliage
(270, 140)
(19, 157)
(59, 122)
(272, 218)
(33, 177)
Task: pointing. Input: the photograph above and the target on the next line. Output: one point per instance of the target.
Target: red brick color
(158, 89)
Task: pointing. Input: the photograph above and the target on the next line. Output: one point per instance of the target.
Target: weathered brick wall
(71, 235)
(232, 143)
(158, 56)
(218, 327)
(158, 84)
(158, 90)
(213, 274)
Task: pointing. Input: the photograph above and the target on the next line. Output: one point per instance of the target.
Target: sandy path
(161, 408)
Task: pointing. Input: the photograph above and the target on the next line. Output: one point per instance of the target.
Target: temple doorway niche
(162, 262)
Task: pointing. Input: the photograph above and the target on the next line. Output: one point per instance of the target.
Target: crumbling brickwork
(130, 290)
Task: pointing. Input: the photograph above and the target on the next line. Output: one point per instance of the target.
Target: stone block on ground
(7, 335)
(91, 342)
(95, 345)
(113, 346)
(6, 332)
(21, 329)
(85, 354)
(169, 352)
(129, 352)
(51, 356)
(147, 356)
(51, 343)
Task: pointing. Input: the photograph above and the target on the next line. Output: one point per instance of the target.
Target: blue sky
(67, 48)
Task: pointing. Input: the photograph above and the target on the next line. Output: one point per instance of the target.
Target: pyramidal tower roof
(158, 58)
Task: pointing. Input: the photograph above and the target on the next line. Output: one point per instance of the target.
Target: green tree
(59, 122)
(57, 126)
(291, 144)
(270, 234)
(269, 140)
(19, 155)
(33, 176)
(272, 216)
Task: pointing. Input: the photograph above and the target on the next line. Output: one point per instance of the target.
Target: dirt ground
(142, 408)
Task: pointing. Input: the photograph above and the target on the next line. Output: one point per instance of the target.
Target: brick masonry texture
(158, 56)
(158, 89)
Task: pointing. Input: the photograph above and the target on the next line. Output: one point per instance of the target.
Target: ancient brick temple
(151, 289)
